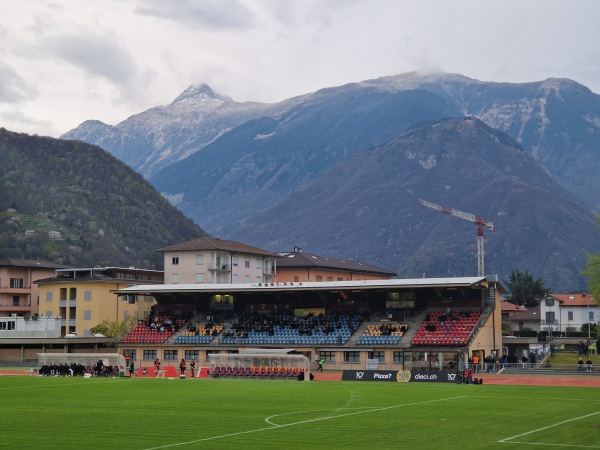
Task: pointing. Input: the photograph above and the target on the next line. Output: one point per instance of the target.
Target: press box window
(150, 355)
(351, 357)
(170, 355)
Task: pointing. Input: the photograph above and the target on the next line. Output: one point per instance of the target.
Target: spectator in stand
(590, 366)
(524, 361)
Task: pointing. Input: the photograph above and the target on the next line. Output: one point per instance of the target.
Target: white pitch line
(505, 441)
(301, 422)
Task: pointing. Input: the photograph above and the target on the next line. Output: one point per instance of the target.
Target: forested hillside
(73, 203)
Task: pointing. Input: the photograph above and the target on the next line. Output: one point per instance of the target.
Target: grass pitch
(76, 413)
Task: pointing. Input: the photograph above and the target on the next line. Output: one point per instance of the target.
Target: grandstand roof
(321, 285)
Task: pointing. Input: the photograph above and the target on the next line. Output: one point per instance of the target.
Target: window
(199, 259)
(15, 300)
(351, 357)
(149, 355)
(549, 302)
(591, 316)
(378, 355)
(87, 296)
(234, 261)
(170, 355)
(16, 283)
(246, 278)
(329, 278)
(191, 354)
(234, 279)
(247, 263)
(296, 279)
(258, 264)
(340, 279)
(259, 279)
(570, 315)
(329, 357)
(49, 296)
(319, 278)
(175, 260)
(200, 278)
(63, 293)
(550, 317)
(398, 357)
(87, 314)
(7, 325)
(174, 278)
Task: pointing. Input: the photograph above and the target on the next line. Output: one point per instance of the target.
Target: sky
(66, 61)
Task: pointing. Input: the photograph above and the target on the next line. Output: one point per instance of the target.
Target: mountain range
(73, 203)
(339, 171)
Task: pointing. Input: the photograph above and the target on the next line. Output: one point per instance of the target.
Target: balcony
(15, 309)
(67, 303)
(219, 267)
(15, 290)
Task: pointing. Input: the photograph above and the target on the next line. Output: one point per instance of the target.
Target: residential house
(525, 319)
(209, 260)
(298, 266)
(83, 297)
(568, 312)
(510, 309)
(19, 295)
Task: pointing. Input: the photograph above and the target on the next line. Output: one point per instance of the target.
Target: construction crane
(479, 221)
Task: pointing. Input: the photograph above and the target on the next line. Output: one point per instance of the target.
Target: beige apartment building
(84, 297)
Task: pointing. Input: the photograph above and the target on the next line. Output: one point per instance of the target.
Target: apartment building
(19, 293)
(84, 297)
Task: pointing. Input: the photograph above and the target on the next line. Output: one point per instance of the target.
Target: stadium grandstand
(395, 324)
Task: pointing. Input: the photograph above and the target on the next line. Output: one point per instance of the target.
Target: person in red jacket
(157, 366)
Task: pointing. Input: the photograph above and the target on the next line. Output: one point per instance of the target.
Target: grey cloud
(13, 88)
(98, 55)
(206, 14)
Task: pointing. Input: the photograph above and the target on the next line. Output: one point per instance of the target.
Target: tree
(592, 271)
(115, 329)
(524, 289)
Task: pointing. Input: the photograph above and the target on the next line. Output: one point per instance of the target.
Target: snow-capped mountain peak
(202, 92)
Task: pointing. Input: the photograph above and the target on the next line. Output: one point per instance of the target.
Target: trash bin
(121, 374)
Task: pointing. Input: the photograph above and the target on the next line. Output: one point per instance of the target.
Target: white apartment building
(209, 260)
(559, 312)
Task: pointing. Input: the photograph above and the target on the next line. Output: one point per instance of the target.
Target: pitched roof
(508, 307)
(211, 243)
(576, 299)
(532, 314)
(302, 260)
(15, 262)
